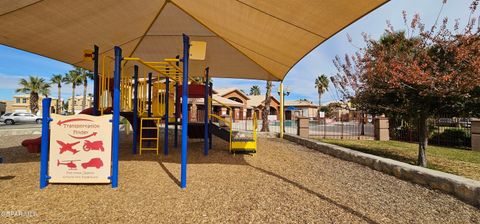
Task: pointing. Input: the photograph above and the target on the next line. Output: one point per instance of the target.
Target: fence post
(381, 129)
(475, 131)
(324, 127)
(303, 127)
(342, 128)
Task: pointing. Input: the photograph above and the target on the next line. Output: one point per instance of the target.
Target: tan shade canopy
(251, 39)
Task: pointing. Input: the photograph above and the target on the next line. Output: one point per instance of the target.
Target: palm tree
(321, 83)
(255, 91)
(58, 80)
(86, 74)
(266, 108)
(75, 78)
(34, 86)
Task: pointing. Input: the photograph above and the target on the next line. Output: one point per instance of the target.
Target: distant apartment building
(242, 105)
(78, 103)
(3, 107)
(300, 108)
(21, 103)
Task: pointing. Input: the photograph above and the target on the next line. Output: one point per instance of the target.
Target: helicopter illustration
(67, 147)
(69, 163)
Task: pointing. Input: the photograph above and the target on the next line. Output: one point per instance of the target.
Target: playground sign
(198, 50)
(88, 55)
(80, 149)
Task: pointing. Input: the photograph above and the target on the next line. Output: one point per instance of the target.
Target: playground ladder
(149, 129)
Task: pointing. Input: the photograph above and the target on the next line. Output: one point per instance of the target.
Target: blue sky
(16, 64)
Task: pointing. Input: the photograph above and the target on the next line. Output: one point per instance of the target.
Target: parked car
(20, 117)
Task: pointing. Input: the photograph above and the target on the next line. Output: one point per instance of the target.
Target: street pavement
(3, 126)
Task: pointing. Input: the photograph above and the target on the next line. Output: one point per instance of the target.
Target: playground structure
(146, 98)
(148, 102)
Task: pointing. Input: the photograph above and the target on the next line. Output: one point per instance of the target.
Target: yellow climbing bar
(154, 68)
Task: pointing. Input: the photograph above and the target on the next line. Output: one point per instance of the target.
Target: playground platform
(283, 182)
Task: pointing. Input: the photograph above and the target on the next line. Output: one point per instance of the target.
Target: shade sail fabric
(251, 39)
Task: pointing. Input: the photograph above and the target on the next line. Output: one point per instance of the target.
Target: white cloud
(9, 81)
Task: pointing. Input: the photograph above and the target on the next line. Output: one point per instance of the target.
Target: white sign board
(80, 149)
(272, 117)
(322, 114)
(198, 50)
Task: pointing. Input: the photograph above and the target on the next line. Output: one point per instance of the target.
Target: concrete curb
(465, 189)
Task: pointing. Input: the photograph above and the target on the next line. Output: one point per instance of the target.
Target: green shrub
(452, 137)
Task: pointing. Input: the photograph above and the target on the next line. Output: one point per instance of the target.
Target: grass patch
(451, 160)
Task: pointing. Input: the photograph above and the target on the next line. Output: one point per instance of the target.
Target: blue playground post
(177, 105)
(149, 94)
(45, 142)
(95, 81)
(135, 108)
(167, 96)
(210, 133)
(116, 116)
(186, 50)
(205, 117)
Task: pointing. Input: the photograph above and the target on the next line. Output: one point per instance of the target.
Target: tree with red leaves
(415, 73)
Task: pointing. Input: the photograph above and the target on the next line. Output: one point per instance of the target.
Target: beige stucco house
(21, 103)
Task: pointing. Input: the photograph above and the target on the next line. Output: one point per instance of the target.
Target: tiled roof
(300, 103)
(217, 97)
(256, 101)
(223, 92)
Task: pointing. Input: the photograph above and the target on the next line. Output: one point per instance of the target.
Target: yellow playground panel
(158, 100)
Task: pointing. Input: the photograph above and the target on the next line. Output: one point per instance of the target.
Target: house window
(24, 100)
(17, 100)
(305, 112)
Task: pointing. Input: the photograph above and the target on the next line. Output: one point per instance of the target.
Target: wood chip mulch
(282, 183)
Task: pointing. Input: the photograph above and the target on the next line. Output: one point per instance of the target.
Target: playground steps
(149, 134)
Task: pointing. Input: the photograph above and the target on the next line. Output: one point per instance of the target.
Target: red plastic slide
(33, 145)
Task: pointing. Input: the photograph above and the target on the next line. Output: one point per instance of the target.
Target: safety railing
(255, 124)
(126, 90)
(228, 122)
(142, 95)
(105, 80)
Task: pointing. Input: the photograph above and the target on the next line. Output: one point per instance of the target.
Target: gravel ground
(282, 183)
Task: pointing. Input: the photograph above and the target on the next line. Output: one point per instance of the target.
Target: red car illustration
(95, 145)
(94, 162)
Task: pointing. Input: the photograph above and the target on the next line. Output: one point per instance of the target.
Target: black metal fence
(442, 131)
(353, 129)
(330, 128)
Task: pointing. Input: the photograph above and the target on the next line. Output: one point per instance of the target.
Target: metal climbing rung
(143, 136)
